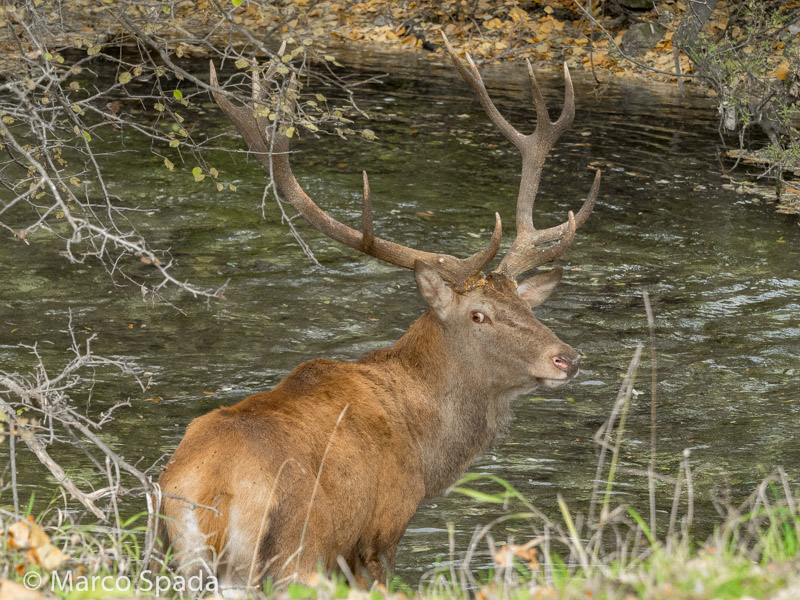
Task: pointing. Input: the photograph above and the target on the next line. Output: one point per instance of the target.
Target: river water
(721, 269)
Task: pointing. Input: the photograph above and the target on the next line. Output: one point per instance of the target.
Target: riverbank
(619, 41)
(753, 554)
(632, 39)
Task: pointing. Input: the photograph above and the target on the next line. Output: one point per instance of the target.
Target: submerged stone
(641, 37)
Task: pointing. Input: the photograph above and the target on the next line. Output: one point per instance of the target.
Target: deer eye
(479, 317)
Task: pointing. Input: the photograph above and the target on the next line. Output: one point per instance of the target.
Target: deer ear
(537, 288)
(433, 288)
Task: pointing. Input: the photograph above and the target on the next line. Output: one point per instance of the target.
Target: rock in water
(641, 37)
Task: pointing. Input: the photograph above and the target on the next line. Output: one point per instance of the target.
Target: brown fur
(367, 441)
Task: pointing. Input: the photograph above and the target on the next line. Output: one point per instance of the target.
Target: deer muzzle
(568, 362)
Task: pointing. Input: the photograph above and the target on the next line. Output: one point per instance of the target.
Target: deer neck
(457, 410)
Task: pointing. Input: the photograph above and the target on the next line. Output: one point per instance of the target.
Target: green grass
(752, 554)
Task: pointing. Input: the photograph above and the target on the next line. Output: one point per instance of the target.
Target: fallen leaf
(25, 534)
(10, 590)
(782, 71)
(50, 557)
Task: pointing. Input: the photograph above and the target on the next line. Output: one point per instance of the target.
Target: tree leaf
(178, 95)
(198, 174)
(124, 77)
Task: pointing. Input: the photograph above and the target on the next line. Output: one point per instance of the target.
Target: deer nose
(568, 363)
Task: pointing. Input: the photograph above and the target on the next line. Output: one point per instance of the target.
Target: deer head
(487, 316)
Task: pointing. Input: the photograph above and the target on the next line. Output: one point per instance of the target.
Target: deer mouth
(564, 376)
(556, 382)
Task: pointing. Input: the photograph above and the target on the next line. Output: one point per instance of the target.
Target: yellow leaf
(782, 71)
(25, 534)
(10, 590)
(198, 174)
(518, 15)
(493, 24)
(49, 557)
(124, 77)
(169, 164)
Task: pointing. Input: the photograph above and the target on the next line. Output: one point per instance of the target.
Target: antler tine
(473, 77)
(526, 251)
(551, 234)
(537, 145)
(567, 115)
(274, 155)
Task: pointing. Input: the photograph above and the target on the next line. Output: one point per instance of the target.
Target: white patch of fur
(238, 552)
(191, 546)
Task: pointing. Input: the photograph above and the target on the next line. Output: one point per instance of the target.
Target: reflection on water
(722, 274)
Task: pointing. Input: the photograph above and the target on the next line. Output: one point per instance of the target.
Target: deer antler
(532, 247)
(274, 155)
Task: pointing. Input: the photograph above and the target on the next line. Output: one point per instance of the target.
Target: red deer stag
(332, 463)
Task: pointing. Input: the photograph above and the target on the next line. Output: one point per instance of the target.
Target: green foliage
(754, 67)
(297, 591)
